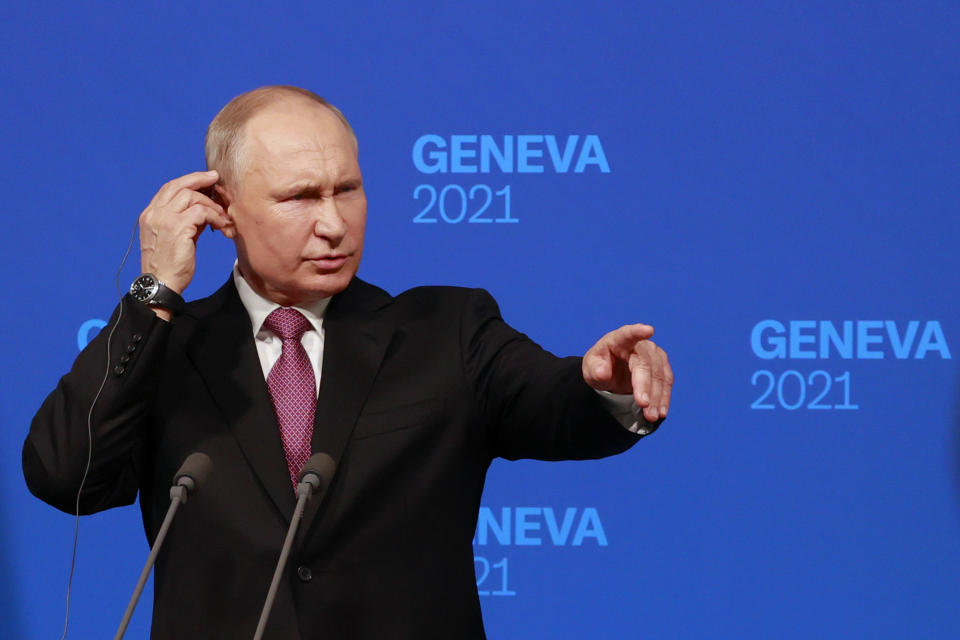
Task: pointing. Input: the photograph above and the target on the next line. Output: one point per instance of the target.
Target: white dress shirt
(269, 346)
(268, 343)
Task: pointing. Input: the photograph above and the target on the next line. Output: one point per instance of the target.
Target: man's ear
(220, 195)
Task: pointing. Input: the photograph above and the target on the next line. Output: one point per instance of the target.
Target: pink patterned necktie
(292, 388)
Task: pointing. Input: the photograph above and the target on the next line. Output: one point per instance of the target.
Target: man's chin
(328, 284)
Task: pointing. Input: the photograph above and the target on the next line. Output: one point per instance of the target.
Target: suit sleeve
(535, 405)
(56, 449)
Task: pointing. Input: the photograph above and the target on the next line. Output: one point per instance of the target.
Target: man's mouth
(331, 262)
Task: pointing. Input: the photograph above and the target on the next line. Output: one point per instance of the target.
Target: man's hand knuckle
(183, 199)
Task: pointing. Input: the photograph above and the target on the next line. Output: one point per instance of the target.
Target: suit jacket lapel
(358, 326)
(222, 348)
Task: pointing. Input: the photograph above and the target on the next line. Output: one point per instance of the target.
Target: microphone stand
(308, 484)
(192, 473)
(178, 495)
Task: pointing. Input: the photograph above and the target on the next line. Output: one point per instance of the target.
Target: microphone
(314, 478)
(188, 479)
(193, 472)
(316, 474)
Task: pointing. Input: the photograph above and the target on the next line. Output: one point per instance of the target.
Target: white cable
(86, 470)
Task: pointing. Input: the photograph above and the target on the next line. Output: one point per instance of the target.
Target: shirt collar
(258, 307)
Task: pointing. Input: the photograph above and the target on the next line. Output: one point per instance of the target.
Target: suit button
(131, 348)
(304, 574)
(124, 359)
(137, 337)
(118, 370)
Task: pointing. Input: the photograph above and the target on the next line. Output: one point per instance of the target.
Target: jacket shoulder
(441, 293)
(445, 301)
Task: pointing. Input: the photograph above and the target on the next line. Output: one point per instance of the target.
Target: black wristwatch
(148, 290)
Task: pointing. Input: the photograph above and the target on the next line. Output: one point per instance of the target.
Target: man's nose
(329, 223)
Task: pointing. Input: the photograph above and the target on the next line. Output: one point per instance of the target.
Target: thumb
(597, 366)
(601, 370)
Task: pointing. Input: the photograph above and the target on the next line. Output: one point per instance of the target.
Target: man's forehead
(286, 127)
(288, 143)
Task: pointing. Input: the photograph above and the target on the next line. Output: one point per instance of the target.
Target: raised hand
(171, 225)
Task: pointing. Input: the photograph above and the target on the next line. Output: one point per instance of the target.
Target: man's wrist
(163, 314)
(625, 411)
(151, 291)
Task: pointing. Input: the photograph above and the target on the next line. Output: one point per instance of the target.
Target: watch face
(144, 288)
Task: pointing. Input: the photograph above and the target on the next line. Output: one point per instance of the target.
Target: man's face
(297, 203)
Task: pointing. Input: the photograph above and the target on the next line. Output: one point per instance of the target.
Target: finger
(651, 414)
(668, 386)
(195, 180)
(640, 380)
(643, 371)
(656, 383)
(200, 198)
(186, 198)
(622, 340)
(200, 215)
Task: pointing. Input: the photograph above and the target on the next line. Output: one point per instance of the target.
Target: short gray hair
(225, 133)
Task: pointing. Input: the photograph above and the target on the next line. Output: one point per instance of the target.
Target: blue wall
(785, 162)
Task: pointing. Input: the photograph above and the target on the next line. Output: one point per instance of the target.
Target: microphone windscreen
(197, 467)
(323, 466)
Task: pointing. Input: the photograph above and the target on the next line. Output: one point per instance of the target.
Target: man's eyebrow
(349, 183)
(294, 188)
(314, 187)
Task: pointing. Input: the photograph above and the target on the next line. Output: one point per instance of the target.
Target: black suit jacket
(418, 394)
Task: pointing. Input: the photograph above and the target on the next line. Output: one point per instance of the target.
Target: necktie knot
(287, 323)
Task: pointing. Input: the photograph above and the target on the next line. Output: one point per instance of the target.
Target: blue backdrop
(772, 185)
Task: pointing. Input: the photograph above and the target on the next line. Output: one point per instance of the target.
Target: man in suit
(412, 395)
